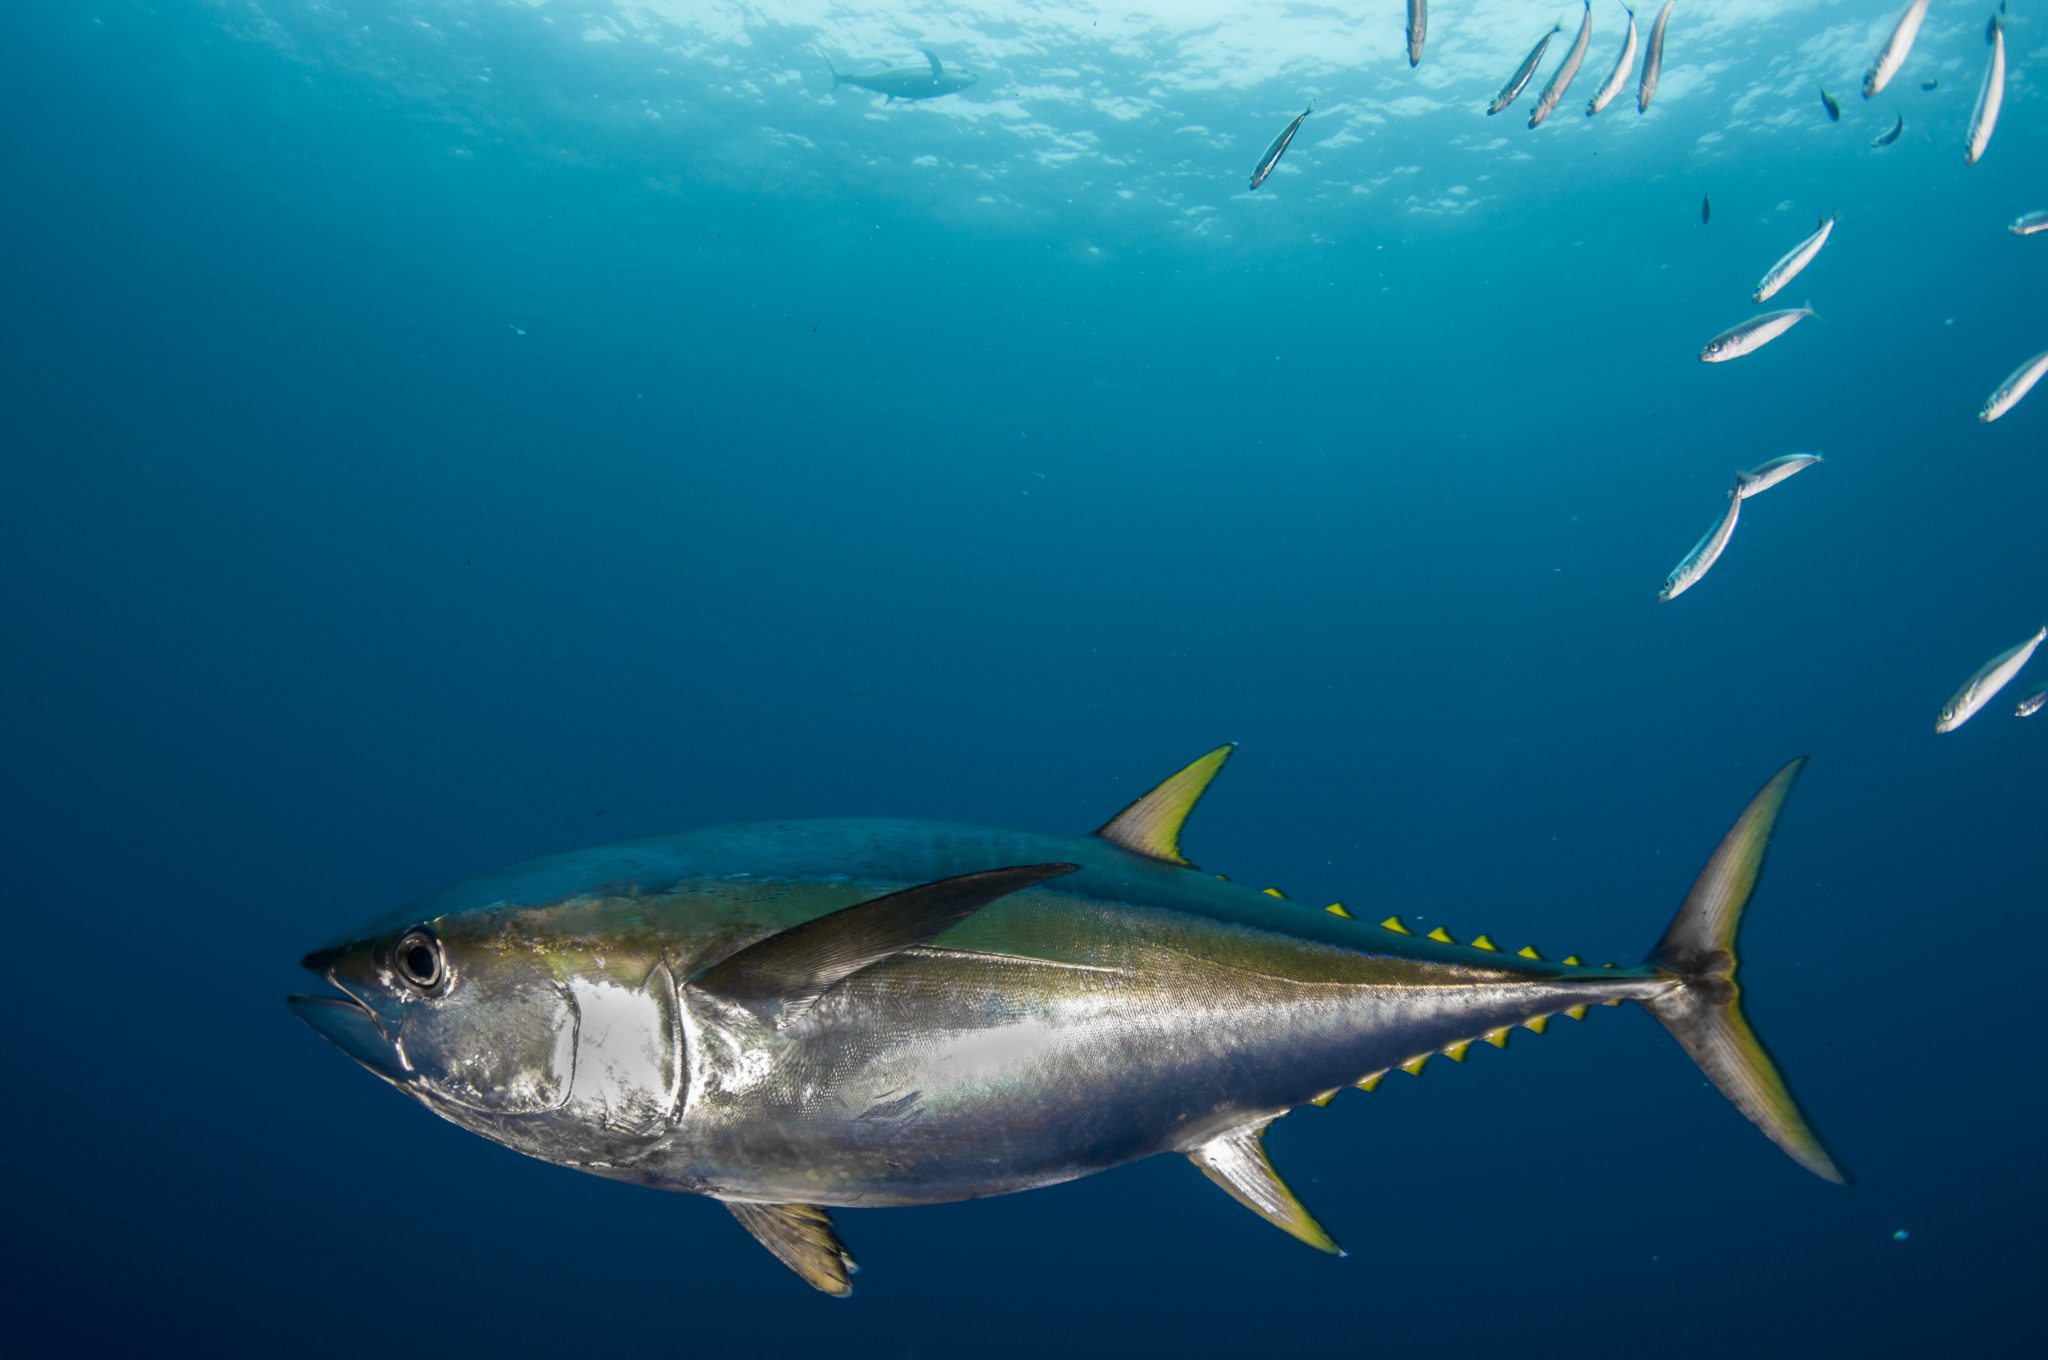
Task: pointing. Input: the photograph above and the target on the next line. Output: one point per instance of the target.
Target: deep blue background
(323, 586)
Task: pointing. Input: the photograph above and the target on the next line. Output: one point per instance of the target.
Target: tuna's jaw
(347, 1024)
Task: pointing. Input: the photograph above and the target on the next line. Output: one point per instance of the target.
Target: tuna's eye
(418, 957)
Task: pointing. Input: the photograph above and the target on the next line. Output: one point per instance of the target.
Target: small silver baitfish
(1704, 554)
(2032, 702)
(2008, 393)
(1981, 688)
(1792, 261)
(1561, 79)
(1892, 55)
(1887, 138)
(1752, 335)
(1279, 148)
(1764, 476)
(2027, 224)
(787, 1016)
(1990, 96)
(1418, 27)
(1624, 66)
(1512, 91)
(1653, 60)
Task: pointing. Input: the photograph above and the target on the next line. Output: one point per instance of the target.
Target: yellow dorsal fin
(1323, 1099)
(1397, 925)
(1274, 892)
(1486, 942)
(1574, 961)
(1456, 1052)
(1576, 1012)
(1497, 1037)
(1441, 936)
(1528, 951)
(1537, 1024)
(1337, 909)
(1151, 826)
(1413, 1067)
(1372, 1082)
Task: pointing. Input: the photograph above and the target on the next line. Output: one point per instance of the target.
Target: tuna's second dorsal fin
(933, 58)
(1151, 826)
(1237, 1161)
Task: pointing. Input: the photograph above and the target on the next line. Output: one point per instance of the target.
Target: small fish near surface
(1278, 148)
(1990, 96)
(2031, 702)
(1793, 261)
(1624, 66)
(1887, 138)
(1653, 61)
(1892, 55)
(1694, 566)
(1512, 91)
(790, 1016)
(1567, 71)
(1752, 335)
(2029, 224)
(1981, 688)
(2008, 393)
(1827, 102)
(907, 82)
(1418, 28)
(1764, 476)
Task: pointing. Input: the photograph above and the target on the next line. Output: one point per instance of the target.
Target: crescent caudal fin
(1705, 1013)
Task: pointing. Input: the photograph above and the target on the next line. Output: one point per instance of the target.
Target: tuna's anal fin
(791, 968)
(801, 1237)
(1151, 826)
(1237, 1162)
(1704, 1013)
(933, 58)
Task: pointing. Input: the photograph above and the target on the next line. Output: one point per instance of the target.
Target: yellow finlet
(1413, 1067)
(1456, 1052)
(1607, 965)
(1576, 1012)
(1528, 951)
(1441, 936)
(1497, 1037)
(1372, 1082)
(1574, 961)
(1397, 925)
(1337, 909)
(1151, 826)
(1486, 942)
(1223, 878)
(1274, 892)
(1537, 1024)
(1323, 1099)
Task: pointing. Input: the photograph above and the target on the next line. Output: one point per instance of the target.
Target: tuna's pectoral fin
(1237, 1162)
(801, 1237)
(1151, 826)
(792, 968)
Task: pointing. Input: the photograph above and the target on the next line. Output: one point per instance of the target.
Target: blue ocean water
(444, 433)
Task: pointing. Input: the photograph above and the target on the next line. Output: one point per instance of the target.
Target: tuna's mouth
(347, 1024)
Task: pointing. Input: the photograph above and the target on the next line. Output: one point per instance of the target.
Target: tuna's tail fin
(837, 79)
(1704, 1013)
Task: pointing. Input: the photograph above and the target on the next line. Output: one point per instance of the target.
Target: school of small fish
(1747, 337)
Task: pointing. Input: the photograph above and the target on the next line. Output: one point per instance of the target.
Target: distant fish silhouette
(1827, 102)
(1926, 85)
(1706, 210)
(906, 82)
(1278, 148)
(1887, 138)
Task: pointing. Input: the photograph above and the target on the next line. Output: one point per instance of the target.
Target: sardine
(1788, 266)
(1827, 102)
(788, 1016)
(1892, 55)
(1704, 553)
(1512, 91)
(1653, 61)
(1764, 476)
(1990, 96)
(1624, 66)
(1561, 79)
(1278, 148)
(1418, 24)
(2008, 393)
(1752, 335)
(2026, 224)
(1887, 138)
(2032, 702)
(1981, 688)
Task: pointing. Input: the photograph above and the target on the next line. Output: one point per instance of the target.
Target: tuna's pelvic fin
(1151, 826)
(1237, 1162)
(1704, 1013)
(791, 968)
(801, 1237)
